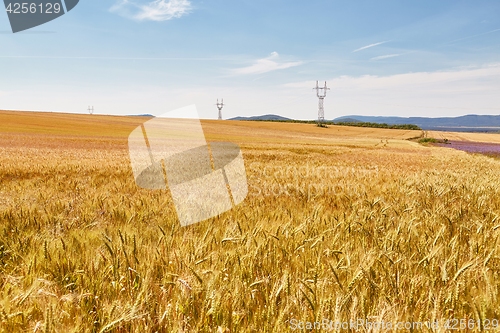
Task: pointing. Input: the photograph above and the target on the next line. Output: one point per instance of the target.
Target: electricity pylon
(220, 106)
(321, 93)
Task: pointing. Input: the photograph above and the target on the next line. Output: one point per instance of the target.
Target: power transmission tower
(321, 93)
(91, 110)
(220, 106)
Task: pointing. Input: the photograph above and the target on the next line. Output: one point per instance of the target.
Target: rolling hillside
(477, 123)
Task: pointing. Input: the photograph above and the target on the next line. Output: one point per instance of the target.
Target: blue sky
(406, 58)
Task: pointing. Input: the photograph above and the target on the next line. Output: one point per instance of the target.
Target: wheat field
(340, 224)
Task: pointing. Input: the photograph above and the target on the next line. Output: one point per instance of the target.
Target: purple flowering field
(474, 147)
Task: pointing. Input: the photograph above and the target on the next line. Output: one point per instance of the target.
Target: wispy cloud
(439, 93)
(369, 46)
(157, 10)
(387, 56)
(473, 36)
(265, 65)
(469, 79)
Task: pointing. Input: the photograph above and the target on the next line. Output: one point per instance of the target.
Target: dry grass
(462, 136)
(340, 223)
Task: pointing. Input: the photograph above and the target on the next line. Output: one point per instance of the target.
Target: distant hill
(468, 123)
(264, 117)
(347, 120)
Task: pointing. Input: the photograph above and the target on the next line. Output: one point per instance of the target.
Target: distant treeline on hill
(377, 125)
(342, 123)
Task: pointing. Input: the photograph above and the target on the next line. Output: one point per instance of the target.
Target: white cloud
(440, 93)
(369, 46)
(265, 65)
(472, 90)
(387, 56)
(157, 10)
